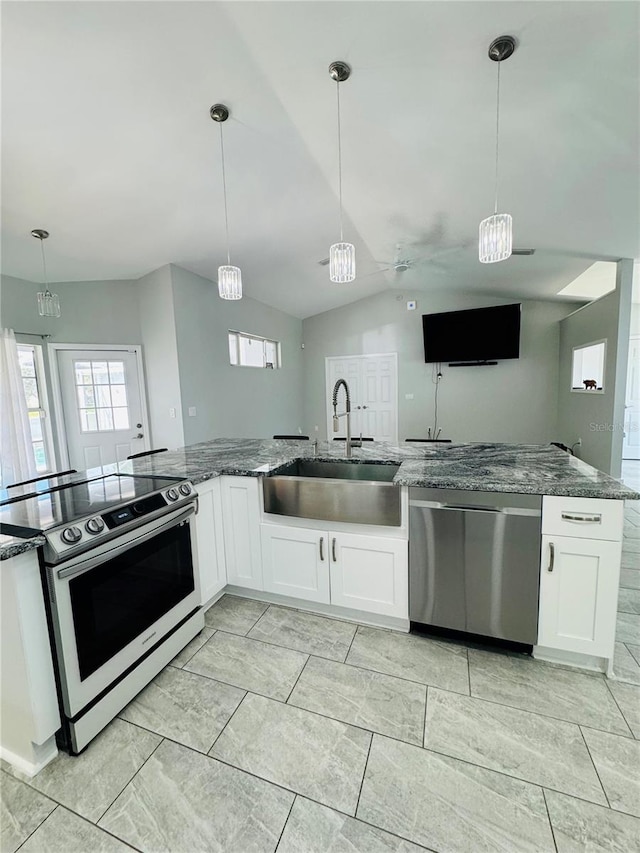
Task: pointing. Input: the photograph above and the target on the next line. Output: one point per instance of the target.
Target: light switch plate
(412, 305)
(192, 411)
(408, 396)
(172, 412)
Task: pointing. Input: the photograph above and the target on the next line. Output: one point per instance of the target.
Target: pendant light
(229, 277)
(342, 256)
(48, 303)
(496, 232)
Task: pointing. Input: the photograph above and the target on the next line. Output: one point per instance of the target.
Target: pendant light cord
(497, 135)
(44, 268)
(224, 192)
(339, 158)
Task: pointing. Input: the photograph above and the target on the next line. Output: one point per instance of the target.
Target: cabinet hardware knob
(552, 556)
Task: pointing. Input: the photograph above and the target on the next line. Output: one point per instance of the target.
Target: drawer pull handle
(552, 556)
(333, 549)
(592, 519)
(322, 549)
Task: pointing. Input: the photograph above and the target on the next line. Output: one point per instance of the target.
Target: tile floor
(281, 730)
(627, 654)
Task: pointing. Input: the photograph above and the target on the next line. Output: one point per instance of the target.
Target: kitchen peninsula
(336, 567)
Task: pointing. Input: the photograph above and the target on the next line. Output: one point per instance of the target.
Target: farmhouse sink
(353, 492)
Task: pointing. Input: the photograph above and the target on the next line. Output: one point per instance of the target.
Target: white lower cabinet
(295, 562)
(368, 573)
(241, 521)
(209, 540)
(578, 595)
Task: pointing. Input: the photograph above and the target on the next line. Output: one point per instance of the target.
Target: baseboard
(46, 752)
(331, 611)
(577, 659)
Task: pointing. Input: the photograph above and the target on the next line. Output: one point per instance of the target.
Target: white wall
(243, 402)
(597, 418)
(513, 402)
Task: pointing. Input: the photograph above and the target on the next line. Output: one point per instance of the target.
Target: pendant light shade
(342, 262)
(496, 238)
(229, 277)
(342, 256)
(48, 303)
(229, 282)
(496, 232)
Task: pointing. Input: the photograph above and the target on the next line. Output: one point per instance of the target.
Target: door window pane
(102, 395)
(34, 399)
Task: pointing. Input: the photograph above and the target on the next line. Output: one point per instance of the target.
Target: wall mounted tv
(475, 336)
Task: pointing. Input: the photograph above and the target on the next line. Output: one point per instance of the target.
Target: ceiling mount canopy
(342, 256)
(229, 277)
(496, 232)
(48, 303)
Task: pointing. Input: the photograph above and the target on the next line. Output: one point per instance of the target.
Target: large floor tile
(630, 561)
(628, 628)
(184, 707)
(451, 806)
(305, 632)
(22, 810)
(65, 832)
(580, 827)
(631, 546)
(182, 802)
(635, 651)
(234, 614)
(628, 600)
(628, 698)
(313, 828)
(411, 656)
(191, 648)
(250, 664)
(576, 697)
(309, 754)
(362, 697)
(630, 579)
(625, 666)
(90, 782)
(534, 748)
(617, 761)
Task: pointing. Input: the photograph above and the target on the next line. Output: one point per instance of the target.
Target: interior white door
(101, 401)
(631, 444)
(373, 384)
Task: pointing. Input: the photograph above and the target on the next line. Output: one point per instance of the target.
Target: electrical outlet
(412, 305)
(192, 411)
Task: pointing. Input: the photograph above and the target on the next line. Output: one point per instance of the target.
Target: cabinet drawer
(585, 518)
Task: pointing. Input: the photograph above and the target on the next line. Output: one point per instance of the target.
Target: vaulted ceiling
(107, 141)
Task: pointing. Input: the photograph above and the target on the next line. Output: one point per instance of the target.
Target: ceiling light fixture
(48, 303)
(342, 256)
(229, 277)
(496, 232)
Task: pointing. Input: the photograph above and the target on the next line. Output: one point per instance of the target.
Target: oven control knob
(71, 535)
(185, 489)
(94, 525)
(172, 494)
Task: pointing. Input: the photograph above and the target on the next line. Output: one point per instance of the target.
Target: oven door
(111, 605)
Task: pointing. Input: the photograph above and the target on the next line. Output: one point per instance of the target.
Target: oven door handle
(91, 562)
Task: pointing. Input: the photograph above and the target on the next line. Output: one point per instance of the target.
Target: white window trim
(604, 368)
(263, 340)
(45, 409)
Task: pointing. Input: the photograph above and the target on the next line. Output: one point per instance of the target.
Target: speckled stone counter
(11, 546)
(520, 468)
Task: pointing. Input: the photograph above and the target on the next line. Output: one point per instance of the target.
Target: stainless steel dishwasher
(474, 562)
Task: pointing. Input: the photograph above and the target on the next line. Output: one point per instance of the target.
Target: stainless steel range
(122, 588)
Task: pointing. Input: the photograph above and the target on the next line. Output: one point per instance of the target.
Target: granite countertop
(520, 468)
(11, 546)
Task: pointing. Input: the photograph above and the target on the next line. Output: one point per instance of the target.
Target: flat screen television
(476, 335)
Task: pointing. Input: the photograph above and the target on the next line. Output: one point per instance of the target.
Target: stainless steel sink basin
(354, 492)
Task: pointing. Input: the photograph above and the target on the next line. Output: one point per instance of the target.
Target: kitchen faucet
(349, 443)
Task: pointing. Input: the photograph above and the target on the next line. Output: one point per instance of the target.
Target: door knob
(138, 426)
(139, 435)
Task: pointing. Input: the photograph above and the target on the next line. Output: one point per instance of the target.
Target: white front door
(101, 399)
(631, 445)
(373, 385)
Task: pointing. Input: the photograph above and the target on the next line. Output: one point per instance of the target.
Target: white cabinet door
(210, 540)
(241, 520)
(295, 562)
(578, 595)
(369, 573)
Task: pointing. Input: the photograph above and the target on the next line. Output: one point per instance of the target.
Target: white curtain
(17, 461)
